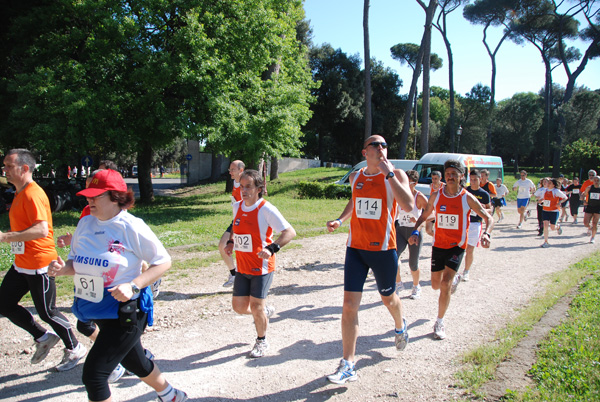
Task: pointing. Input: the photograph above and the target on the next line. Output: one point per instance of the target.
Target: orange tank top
(373, 213)
(551, 201)
(236, 193)
(451, 220)
(249, 240)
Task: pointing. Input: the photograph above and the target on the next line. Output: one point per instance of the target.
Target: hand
(413, 240)
(333, 225)
(265, 254)
(64, 240)
(56, 267)
(229, 249)
(485, 240)
(122, 292)
(385, 166)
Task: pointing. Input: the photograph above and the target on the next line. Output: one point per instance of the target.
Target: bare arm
(414, 239)
(346, 213)
(124, 291)
(284, 238)
(38, 230)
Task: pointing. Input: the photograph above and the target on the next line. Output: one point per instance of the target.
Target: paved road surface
(160, 185)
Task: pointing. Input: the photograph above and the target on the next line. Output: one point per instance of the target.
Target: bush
(323, 190)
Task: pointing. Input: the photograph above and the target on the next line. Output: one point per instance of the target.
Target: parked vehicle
(435, 161)
(404, 164)
(134, 171)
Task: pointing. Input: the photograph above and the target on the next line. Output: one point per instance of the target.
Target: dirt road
(202, 345)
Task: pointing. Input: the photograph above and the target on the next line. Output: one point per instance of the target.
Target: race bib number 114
(368, 208)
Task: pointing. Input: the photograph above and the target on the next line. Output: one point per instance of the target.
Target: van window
(425, 170)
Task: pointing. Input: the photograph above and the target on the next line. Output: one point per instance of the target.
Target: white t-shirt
(115, 249)
(501, 191)
(268, 216)
(523, 188)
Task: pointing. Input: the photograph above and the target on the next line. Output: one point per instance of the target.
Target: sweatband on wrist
(415, 233)
(340, 221)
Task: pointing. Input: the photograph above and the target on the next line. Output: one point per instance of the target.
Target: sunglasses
(376, 144)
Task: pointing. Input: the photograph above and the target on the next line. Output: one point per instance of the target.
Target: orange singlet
(432, 190)
(451, 220)
(249, 241)
(373, 213)
(551, 201)
(236, 193)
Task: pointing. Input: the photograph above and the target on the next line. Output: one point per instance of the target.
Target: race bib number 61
(88, 287)
(368, 208)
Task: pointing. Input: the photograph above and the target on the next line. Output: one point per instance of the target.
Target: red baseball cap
(103, 181)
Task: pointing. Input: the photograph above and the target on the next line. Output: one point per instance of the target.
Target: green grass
(480, 364)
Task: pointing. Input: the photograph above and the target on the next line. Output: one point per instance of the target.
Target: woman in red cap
(107, 251)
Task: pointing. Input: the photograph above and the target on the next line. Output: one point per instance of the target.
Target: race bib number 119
(447, 221)
(368, 208)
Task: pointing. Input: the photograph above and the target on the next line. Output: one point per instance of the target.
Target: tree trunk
(144, 160)
(368, 111)
(274, 173)
(548, 110)
(426, 91)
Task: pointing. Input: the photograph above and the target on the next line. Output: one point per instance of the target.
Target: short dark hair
(108, 165)
(475, 172)
(413, 175)
(255, 176)
(436, 173)
(24, 157)
(125, 199)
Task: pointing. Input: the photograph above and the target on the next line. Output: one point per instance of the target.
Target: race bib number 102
(368, 208)
(242, 242)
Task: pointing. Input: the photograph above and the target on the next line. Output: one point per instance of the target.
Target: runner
(552, 197)
(254, 220)
(564, 183)
(107, 252)
(435, 186)
(475, 221)
(573, 192)
(451, 207)
(485, 184)
(404, 228)
(499, 200)
(587, 217)
(525, 188)
(31, 242)
(377, 190)
(592, 194)
(542, 187)
(236, 168)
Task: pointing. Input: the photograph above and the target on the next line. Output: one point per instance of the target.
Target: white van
(404, 164)
(435, 161)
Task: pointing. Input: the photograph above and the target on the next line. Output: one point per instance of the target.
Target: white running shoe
(154, 287)
(575, 221)
(545, 245)
(559, 230)
(260, 348)
(43, 348)
(269, 311)
(439, 332)
(399, 287)
(72, 357)
(519, 226)
(401, 338)
(455, 283)
(116, 374)
(465, 276)
(416, 292)
(229, 282)
(528, 214)
(346, 371)
(180, 396)
(592, 240)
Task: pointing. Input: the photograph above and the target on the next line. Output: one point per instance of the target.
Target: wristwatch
(136, 290)
(390, 175)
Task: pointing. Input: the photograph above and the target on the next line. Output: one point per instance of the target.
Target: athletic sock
(399, 331)
(440, 320)
(42, 338)
(232, 272)
(261, 338)
(167, 394)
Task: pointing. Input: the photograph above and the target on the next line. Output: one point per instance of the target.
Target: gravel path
(202, 345)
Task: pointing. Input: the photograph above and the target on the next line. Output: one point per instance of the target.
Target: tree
(426, 44)
(368, 112)
(410, 54)
(581, 156)
(446, 7)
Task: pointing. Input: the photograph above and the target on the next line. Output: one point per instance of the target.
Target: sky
(519, 68)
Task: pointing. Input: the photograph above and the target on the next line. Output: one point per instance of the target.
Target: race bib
(17, 247)
(523, 192)
(88, 287)
(594, 196)
(575, 191)
(546, 203)
(242, 242)
(368, 208)
(447, 221)
(405, 219)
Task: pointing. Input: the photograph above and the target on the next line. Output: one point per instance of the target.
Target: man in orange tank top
(236, 168)
(452, 206)
(377, 191)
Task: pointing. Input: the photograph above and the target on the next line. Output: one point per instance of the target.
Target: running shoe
(401, 339)
(465, 276)
(155, 290)
(592, 240)
(116, 374)
(416, 292)
(455, 283)
(545, 245)
(43, 348)
(72, 357)
(269, 311)
(439, 332)
(229, 282)
(260, 348)
(528, 214)
(519, 226)
(180, 396)
(575, 221)
(399, 287)
(559, 230)
(345, 372)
